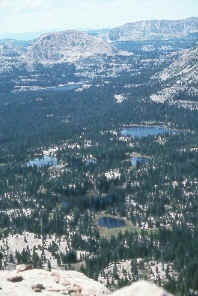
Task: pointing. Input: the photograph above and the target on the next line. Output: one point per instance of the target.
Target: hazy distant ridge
(154, 29)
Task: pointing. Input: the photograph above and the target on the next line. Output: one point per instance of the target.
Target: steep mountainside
(66, 46)
(179, 81)
(156, 29)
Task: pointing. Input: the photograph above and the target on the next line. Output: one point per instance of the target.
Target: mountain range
(72, 45)
(168, 43)
(154, 30)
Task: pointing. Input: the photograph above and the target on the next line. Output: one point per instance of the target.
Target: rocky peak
(66, 46)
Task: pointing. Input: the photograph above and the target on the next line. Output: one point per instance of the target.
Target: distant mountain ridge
(92, 48)
(154, 29)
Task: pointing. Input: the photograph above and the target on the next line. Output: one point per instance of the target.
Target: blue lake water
(42, 162)
(110, 222)
(135, 160)
(90, 161)
(65, 204)
(144, 131)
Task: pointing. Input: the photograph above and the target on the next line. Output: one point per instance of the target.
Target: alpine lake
(142, 131)
(134, 132)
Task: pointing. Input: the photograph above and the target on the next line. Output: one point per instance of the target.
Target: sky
(19, 16)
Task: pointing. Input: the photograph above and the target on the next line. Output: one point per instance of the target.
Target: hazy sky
(38, 15)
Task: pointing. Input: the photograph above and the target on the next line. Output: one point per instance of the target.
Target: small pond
(41, 162)
(135, 160)
(65, 204)
(110, 222)
(90, 161)
(144, 131)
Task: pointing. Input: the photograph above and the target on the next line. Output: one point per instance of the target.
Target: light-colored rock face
(54, 283)
(66, 46)
(156, 29)
(180, 81)
(186, 65)
(141, 288)
(26, 282)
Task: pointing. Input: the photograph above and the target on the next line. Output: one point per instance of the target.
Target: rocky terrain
(27, 281)
(52, 48)
(72, 46)
(155, 29)
(66, 46)
(179, 80)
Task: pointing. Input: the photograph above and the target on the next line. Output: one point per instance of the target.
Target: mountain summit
(67, 46)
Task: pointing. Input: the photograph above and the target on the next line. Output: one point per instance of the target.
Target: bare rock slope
(179, 81)
(27, 281)
(66, 46)
(53, 283)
